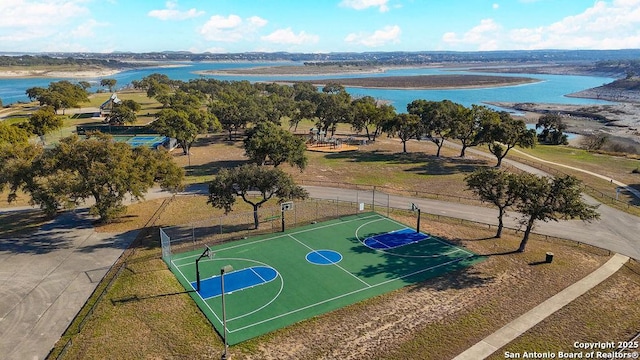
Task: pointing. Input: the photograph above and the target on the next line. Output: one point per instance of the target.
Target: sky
(317, 26)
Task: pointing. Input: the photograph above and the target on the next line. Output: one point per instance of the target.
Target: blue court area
(149, 141)
(235, 281)
(324, 257)
(395, 239)
(283, 278)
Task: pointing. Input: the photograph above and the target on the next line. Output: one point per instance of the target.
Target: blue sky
(316, 25)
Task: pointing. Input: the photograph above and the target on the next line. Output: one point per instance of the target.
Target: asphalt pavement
(47, 277)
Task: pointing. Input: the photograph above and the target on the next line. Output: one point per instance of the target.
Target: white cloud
(231, 28)
(483, 36)
(605, 25)
(85, 30)
(364, 4)
(287, 36)
(388, 34)
(495, 6)
(24, 24)
(172, 13)
(40, 13)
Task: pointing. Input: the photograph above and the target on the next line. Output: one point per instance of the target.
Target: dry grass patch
(380, 164)
(441, 317)
(146, 314)
(606, 313)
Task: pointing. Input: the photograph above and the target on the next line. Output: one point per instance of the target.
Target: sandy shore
(38, 73)
(289, 70)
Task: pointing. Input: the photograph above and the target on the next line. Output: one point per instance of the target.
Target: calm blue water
(551, 89)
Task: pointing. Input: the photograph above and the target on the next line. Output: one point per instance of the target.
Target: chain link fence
(237, 225)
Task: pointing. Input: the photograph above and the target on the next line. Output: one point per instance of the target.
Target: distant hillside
(606, 57)
(44, 60)
(626, 90)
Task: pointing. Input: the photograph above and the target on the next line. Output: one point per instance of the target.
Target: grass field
(316, 269)
(148, 314)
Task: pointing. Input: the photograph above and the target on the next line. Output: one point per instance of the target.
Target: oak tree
(268, 141)
(496, 187)
(545, 199)
(249, 180)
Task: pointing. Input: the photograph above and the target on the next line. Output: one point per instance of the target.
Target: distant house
(107, 106)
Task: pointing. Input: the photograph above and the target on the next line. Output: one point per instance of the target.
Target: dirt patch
(427, 81)
(441, 317)
(617, 120)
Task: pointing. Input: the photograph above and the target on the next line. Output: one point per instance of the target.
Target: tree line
(105, 171)
(45, 60)
(200, 105)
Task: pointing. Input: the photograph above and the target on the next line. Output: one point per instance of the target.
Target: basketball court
(272, 281)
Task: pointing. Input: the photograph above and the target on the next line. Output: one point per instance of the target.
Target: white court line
(246, 314)
(349, 293)
(209, 307)
(336, 264)
(285, 235)
(374, 239)
(440, 241)
(258, 275)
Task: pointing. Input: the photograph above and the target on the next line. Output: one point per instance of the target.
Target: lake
(550, 89)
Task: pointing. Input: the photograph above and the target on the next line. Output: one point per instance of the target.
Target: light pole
(224, 269)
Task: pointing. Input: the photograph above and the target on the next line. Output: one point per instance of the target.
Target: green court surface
(280, 279)
(152, 141)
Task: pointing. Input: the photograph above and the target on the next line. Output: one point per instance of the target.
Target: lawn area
(146, 313)
(605, 313)
(381, 164)
(618, 168)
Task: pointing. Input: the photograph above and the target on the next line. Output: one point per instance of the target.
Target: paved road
(615, 230)
(47, 277)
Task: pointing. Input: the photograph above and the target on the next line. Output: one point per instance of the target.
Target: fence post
(373, 201)
(388, 205)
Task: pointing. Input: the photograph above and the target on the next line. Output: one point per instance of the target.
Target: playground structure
(318, 141)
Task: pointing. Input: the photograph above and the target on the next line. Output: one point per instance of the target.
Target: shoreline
(54, 73)
(310, 70)
(425, 82)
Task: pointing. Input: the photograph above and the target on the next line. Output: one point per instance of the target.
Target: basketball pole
(414, 207)
(282, 218)
(204, 253)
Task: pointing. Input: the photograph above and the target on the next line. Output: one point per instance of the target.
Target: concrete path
(47, 277)
(628, 188)
(517, 327)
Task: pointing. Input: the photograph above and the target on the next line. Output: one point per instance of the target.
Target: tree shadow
(119, 241)
(430, 164)
(58, 233)
(431, 263)
(213, 167)
(448, 166)
(634, 200)
(136, 298)
(502, 253)
(15, 223)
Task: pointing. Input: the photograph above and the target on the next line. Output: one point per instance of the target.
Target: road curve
(615, 230)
